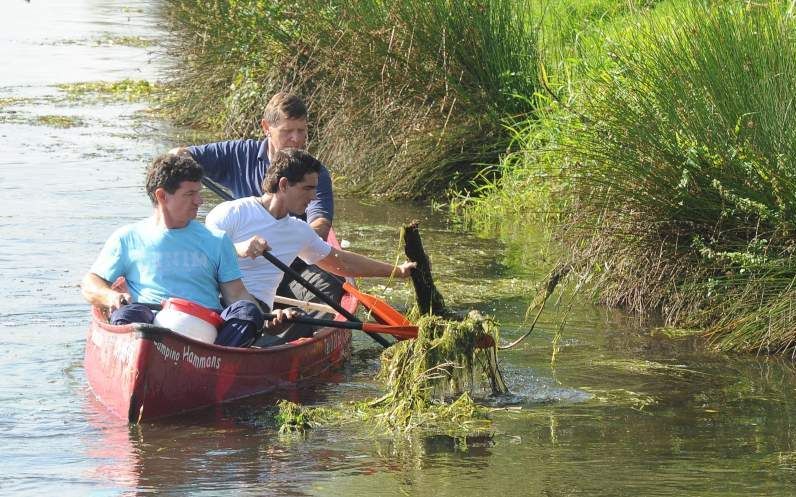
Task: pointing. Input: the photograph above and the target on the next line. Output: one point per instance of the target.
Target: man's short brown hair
(167, 171)
(284, 105)
(290, 163)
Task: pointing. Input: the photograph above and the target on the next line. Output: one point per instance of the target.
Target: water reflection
(213, 452)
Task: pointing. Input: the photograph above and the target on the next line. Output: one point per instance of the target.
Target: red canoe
(142, 372)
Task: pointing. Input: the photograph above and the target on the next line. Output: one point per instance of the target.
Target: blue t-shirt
(240, 165)
(159, 263)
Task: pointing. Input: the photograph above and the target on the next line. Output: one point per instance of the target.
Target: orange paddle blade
(382, 311)
(399, 332)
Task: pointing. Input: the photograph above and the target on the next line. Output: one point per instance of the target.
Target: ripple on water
(528, 388)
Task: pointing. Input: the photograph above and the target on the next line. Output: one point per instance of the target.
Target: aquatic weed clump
(449, 356)
(295, 418)
(430, 382)
(448, 359)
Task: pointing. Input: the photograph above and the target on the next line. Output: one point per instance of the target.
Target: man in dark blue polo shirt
(240, 165)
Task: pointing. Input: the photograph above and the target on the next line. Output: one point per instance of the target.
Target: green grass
(528, 186)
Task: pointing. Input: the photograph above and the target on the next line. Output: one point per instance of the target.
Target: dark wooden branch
(428, 297)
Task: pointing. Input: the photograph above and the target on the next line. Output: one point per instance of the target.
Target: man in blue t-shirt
(172, 255)
(240, 166)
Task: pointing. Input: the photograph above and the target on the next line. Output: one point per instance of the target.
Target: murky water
(598, 422)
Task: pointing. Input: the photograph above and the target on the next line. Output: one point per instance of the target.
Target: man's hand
(114, 299)
(98, 291)
(404, 270)
(253, 247)
(281, 319)
(179, 151)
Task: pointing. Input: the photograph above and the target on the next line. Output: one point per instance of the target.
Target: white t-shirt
(288, 237)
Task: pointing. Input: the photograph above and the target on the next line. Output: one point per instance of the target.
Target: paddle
(304, 305)
(382, 311)
(297, 277)
(401, 332)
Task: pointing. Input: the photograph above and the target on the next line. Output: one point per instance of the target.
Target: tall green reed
(527, 186)
(684, 194)
(406, 97)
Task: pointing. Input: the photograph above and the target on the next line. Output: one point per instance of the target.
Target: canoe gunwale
(153, 332)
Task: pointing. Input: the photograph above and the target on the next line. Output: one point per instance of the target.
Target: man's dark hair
(290, 163)
(284, 105)
(168, 171)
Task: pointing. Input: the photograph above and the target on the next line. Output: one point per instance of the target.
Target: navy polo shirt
(240, 165)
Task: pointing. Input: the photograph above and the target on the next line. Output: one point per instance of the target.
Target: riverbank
(671, 174)
(652, 140)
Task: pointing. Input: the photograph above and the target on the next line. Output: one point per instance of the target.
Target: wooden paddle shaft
(304, 305)
(397, 331)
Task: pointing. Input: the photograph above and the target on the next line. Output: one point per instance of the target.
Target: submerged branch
(429, 300)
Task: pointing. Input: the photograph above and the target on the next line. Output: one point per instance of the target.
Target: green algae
(430, 382)
(622, 397)
(109, 40)
(295, 418)
(785, 460)
(644, 367)
(130, 90)
(11, 101)
(674, 333)
(57, 121)
(126, 41)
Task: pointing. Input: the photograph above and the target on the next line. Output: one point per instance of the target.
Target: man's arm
(344, 263)
(321, 226)
(98, 292)
(235, 290)
(221, 162)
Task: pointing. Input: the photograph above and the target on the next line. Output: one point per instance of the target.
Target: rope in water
(556, 275)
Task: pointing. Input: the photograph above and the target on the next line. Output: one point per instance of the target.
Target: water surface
(599, 421)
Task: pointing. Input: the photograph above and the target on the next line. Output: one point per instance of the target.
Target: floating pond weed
(56, 121)
(295, 418)
(430, 382)
(130, 90)
(622, 397)
(644, 367)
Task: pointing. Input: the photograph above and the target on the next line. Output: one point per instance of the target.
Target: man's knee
(242, 324)
(244, 310)
(132, 313)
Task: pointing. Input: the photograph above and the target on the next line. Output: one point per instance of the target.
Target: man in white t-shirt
(256, 224)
